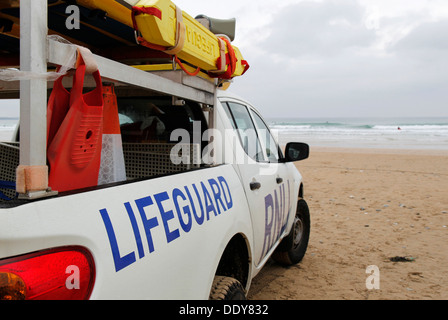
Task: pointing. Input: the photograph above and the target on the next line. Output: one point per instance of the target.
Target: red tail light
(57, 274)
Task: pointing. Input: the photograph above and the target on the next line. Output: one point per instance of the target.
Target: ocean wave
(330, 126)
(8, 124)
(359, 127)
(415, 127)
(7, 127)
(369, 132)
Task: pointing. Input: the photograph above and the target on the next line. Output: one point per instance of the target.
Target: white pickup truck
(206, 195)
(201, 229)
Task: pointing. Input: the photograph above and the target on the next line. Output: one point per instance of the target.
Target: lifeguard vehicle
(134, 175)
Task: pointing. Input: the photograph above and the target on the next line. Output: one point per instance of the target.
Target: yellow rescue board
(157, 22)
(114, 9)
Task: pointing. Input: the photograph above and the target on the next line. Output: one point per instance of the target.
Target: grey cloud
(318, 29)
(427, 40)
(322, 72)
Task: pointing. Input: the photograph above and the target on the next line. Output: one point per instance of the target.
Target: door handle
(279, 180)
(255, 185)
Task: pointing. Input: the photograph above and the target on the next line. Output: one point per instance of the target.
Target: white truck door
(266, 181)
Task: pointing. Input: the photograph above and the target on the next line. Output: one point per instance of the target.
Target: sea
(7, 128)
(382, 133)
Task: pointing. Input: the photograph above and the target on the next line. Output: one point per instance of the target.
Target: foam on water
(406, 133)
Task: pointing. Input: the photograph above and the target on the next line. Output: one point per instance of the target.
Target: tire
(227, 288)
(293, 248)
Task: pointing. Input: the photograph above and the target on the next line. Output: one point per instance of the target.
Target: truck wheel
(292, 249)
(227, 288)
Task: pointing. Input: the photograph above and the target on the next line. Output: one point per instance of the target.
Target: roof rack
(37, 52)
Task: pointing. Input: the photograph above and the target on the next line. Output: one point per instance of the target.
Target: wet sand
(368, 206)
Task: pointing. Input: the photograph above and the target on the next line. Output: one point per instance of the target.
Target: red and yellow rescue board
(163, 26)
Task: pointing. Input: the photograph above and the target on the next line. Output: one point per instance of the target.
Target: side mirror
(296, 151)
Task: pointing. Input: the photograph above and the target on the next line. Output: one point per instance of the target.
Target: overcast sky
(383, 58)
(329, 58)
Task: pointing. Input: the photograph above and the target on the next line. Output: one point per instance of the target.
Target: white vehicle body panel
(272, 207)
(77, 220)
(155, 238)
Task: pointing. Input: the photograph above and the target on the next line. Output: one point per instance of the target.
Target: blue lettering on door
(119, 261)
(179, 210)
(276, 216)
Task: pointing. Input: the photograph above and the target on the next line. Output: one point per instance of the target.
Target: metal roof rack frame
(36, 52)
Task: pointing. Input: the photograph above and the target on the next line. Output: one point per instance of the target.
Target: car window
(242, 122)
(266, 138)
(229, 114)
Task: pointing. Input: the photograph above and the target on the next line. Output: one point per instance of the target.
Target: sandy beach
(368, 207)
